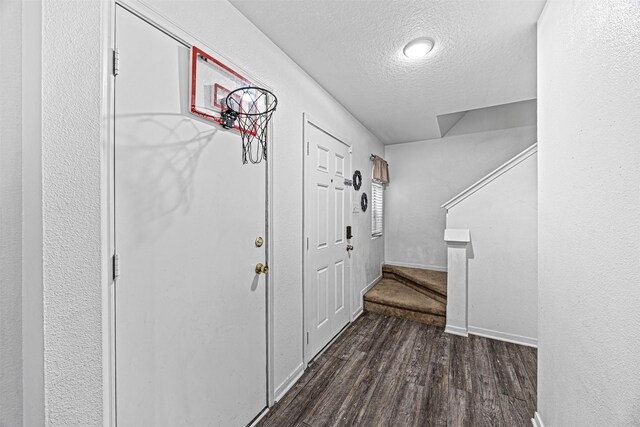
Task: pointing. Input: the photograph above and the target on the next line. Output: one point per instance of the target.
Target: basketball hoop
(252, 108)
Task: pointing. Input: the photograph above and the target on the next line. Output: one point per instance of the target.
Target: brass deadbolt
(261, 269)
(259, 241)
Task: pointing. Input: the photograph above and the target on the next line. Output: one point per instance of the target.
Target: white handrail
(533, 149)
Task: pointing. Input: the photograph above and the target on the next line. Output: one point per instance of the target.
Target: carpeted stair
(412, 293)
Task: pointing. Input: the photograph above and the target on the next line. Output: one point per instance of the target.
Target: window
(376, 209)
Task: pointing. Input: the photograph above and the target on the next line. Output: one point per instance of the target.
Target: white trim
(286, 385)
(260, 416)
(371, 284)
(503, 336)
(107, 206)
(309, 120)
(542, 14)
(533, 149)
(359, 312)
(147, 13)
(363, 291)
(457, 235)
(305, 260)
(413, 265)
(355, 311)
(456, 330)
(33, 383)
(536, 420)
(270, 280)
(164, 24)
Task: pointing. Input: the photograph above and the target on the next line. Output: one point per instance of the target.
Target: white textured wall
(297, 93)
(71, 209)
(502, 218)
(10, 215)
(589, 221)
(426, 174)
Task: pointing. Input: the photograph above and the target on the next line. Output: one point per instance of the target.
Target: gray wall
(10, 214)
(589, 221)
(297, 93)
(426, 174)
(502, 287)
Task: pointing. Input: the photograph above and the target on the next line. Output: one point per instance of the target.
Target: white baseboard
(536, 420)
(283, 388)
(259, 417)
(360, 309)
(411, 265)
(503, 336)
(370, 285)
(456, 330)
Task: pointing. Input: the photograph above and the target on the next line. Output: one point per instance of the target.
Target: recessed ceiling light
(418, 48)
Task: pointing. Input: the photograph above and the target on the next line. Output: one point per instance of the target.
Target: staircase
(412, 293)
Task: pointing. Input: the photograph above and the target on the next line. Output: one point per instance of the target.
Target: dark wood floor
(394, 372)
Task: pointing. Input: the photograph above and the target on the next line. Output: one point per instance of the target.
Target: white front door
(190, 310)
(327, 284)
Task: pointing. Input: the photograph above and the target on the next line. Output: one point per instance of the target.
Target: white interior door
(190, 309)
(327, 285)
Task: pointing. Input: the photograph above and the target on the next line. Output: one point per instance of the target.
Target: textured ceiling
(484, 55)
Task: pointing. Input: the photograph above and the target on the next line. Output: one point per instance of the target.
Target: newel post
(457, 278)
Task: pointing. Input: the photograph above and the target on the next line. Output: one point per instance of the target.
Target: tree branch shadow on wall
(165, 161)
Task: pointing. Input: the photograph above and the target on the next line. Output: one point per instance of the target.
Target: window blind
(376, 209)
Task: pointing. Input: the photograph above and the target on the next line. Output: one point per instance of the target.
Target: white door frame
(168, 27)
(308, 120)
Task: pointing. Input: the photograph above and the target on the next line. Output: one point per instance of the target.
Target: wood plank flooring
(388, 371)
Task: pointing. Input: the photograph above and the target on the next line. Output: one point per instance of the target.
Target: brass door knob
(349, 248)
(261, 268)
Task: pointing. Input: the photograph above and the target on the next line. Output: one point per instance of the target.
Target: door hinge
(116, 267)
(116, 62)
(307, 148)
(307, 243)
(307, 337)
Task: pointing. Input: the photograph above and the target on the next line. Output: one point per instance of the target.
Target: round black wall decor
(364, 202)
(357, 180)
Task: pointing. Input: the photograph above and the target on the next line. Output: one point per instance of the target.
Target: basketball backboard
(211, 82)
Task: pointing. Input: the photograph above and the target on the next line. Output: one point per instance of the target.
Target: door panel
(328, 268)
(322, 296)
(323, 216)
(339, 216)
(339, 300)
(190, 310)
